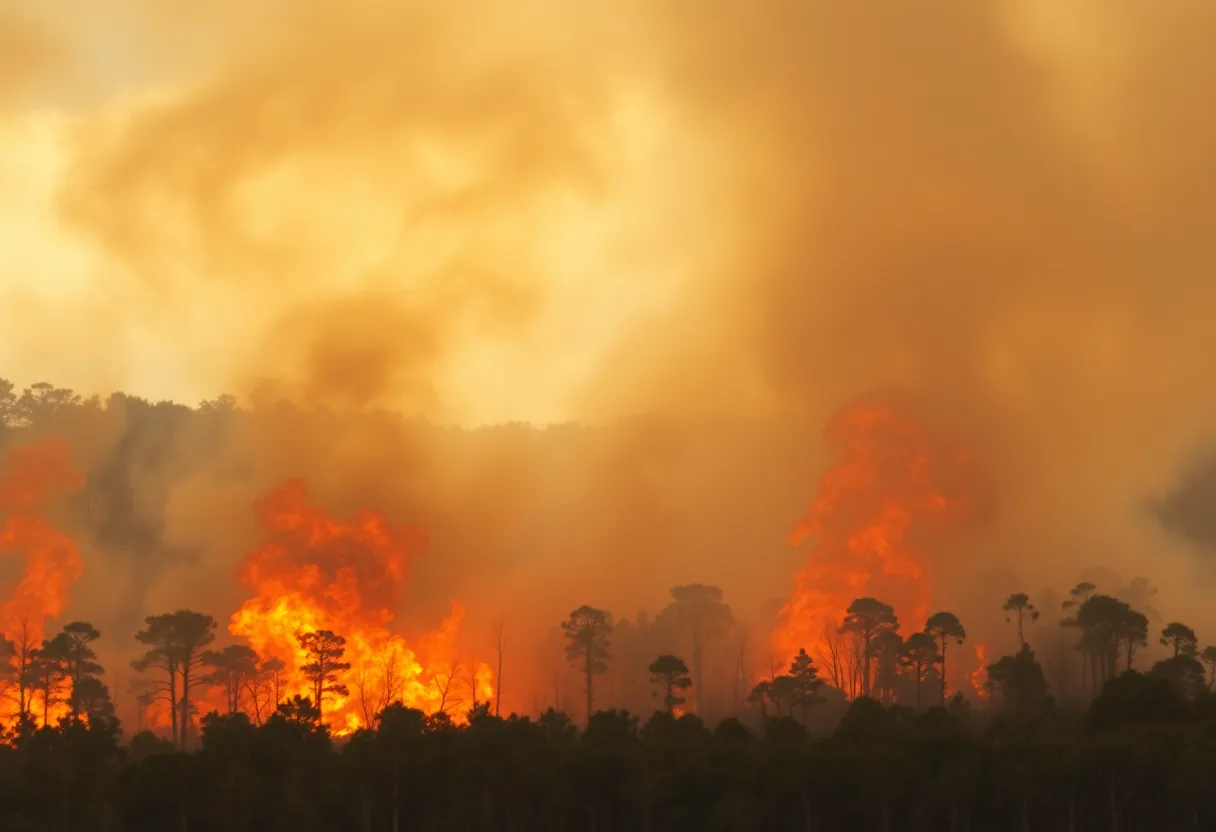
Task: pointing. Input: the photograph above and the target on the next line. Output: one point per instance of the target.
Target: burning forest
(789, 416)
(896, 488)
(48, 563)
(320, 641)
(321, 621)
(314, 574)
(319, 624)
(319, 628)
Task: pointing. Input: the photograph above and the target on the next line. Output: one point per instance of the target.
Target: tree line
(63, 672)
(868, 656)
(900, 755)
(1139, 757)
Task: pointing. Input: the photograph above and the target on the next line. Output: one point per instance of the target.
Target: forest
(902, 752)
(1103, 716)
(607, 417)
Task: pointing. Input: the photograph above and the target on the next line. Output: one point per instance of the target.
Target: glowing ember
(896, 486)
(314, 573)
(33, 476)
(979, 676)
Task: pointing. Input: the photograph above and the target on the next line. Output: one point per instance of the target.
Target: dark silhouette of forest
(869, 734)
(1138, 756)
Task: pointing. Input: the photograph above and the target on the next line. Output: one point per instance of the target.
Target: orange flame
(979, 676)
(314, 573)
(894, 489)
(33, 476)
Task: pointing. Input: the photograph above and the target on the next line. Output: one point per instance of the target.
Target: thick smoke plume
(733, 219)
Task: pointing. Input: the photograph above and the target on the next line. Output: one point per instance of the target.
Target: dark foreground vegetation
(1142, 757)
(1071, 737)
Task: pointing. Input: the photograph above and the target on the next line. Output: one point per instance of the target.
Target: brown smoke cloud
(744, 211)
(27, 51)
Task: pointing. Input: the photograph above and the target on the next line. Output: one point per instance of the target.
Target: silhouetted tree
(781, 690)
(232, 669)
(760, 696)
(887, 647)
(22, 652)
(8, 404)
(1133, 632)
(498, 648)
(804, 684)
(325, 650)
(267, 687)
(1078, 595)
(49, 678)
(176, 642)
(71, 649)
(41, 402)
(867, 617)
(1209, 658)
(945, 627)
(919, 654)
(671, 674)
(701, 617)
(1180, 637)
(587, 631)
(1108, 626)
(1020, 680)
(1184, 672)
(1018, 606)
(91, 699)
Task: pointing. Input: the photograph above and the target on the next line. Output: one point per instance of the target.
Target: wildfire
(34, 475)
(895, 487)
(979, 676)
(314, 573)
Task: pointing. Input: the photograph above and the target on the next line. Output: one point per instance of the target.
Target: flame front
(895, 487)
(314, 573)
(33, 476)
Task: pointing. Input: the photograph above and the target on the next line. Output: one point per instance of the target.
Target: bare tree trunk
(173, 705)
(943, 671)
(865, 663)
(589, 668)
(185, 701)
(740, 673)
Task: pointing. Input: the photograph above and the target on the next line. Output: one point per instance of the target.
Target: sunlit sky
(160, 235)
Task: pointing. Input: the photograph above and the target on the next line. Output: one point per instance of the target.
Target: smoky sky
(737, 214)
(1189, 509)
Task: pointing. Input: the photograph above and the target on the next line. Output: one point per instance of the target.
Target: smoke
(733, 218)
(1187, 508)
